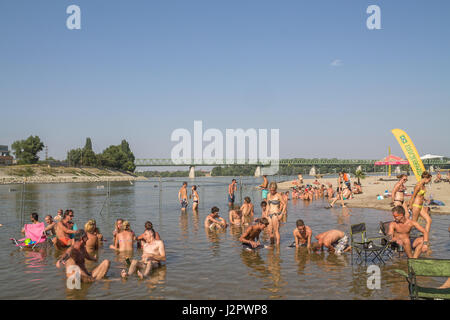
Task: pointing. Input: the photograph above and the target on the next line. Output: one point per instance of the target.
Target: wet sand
(372, 186)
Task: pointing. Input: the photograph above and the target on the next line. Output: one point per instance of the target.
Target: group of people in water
(80, 245)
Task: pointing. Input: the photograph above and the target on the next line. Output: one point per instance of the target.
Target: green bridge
(281, 162)
(342, 163)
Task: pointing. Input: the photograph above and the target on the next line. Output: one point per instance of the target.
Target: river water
(200, 264)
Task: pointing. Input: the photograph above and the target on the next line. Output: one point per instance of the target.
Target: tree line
(118, 157)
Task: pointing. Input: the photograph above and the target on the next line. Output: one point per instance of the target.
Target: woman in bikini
(275, 207)
(124, 239)
(398, 193)
(194, 195)
(417, 201)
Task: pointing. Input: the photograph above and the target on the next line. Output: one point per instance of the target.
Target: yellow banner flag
(410, 152)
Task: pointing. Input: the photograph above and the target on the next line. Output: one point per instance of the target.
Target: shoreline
(373, 186)
(39, 174)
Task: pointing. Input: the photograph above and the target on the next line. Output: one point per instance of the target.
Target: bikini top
(421, 192)
(275, 202)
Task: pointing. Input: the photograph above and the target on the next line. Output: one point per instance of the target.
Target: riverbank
(373, 186)
(45, 174)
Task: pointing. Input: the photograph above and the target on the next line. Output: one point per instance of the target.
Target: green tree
(74, 157)
(88, 156)
(26, 150)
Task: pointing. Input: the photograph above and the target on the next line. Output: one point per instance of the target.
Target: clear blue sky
(137, 70)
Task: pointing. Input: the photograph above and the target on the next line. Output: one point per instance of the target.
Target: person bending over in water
(214, 221)
(250, 238)
(182, 197)
(124, 239)
(153, 254)
(400, 229)
(247, 210)
(235, 217)
(263, 187)
(195, 199)
(398, 193)
(418, 199)
(63, 230)
(335, 240)
(77, 254)
(302, 235)
(275, 207)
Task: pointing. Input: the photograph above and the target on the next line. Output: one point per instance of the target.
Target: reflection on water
(201, 264)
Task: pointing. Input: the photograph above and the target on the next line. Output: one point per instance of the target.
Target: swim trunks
(341, 244)
(264, 193)
(184, 204)
(230, 199)
(65, 241)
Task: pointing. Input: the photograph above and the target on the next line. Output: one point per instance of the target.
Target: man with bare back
(335, 240)
(250, 238)
(76, 256)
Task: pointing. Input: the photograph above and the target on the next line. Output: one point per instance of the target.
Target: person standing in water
(195, 199)
(231, 190)
(263, 187)
(275, 206)
(398, 193)
(417, 201)
(182, 197)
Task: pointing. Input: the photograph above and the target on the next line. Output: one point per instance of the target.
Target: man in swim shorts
(63, 230)
(400, 229)
(250, 238)
(77, 254)
(231, 189)
(213, 220)
(263, 186)
(182, 197)
(335, 240)
(302, 235)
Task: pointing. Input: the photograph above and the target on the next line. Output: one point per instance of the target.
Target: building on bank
(5, 157)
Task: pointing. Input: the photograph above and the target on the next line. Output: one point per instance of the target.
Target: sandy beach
(45, 174)
(372, 186)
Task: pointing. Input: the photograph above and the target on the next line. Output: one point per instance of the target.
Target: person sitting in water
(235, 217)
(153, 254)
(58, 216)
(263, 206)
(250, 238)
(335, 241)
(302, 235)
(117, 228)
(124, 239)
(34, 217)
(400, 229)
(247, 209)
(93, 239)
(50, 228)
(148, 226)
(63, 231)
(214, 221)
(357, 188)
(77, 254)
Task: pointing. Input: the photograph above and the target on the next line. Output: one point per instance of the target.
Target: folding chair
(426, 268)
(35, 233)
(367, 246)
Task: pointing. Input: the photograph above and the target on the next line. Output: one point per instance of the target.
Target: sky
(138, 70)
